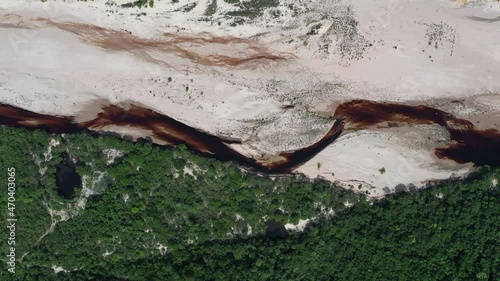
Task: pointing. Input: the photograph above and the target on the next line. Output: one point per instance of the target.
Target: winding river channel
(481, 147)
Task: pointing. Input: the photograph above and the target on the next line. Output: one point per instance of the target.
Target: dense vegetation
(138, 200)
(449, 232)
(446, 233)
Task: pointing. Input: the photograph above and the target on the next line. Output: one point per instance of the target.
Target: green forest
(145, 212)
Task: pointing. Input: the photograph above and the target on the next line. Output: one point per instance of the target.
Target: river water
(481, 147)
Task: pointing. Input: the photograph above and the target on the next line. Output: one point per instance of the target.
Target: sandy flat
(61, 57)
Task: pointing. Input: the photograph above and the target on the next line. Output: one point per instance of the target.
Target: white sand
(48, 70)
(375, 162)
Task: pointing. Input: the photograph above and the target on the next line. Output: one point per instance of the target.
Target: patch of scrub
(441, 34)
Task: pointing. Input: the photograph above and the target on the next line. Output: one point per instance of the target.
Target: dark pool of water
(67, 180)
(276, 230)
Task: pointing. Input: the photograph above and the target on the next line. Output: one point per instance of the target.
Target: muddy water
(481, 147)
(168, 130)
(242, 51)
(17, 117)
